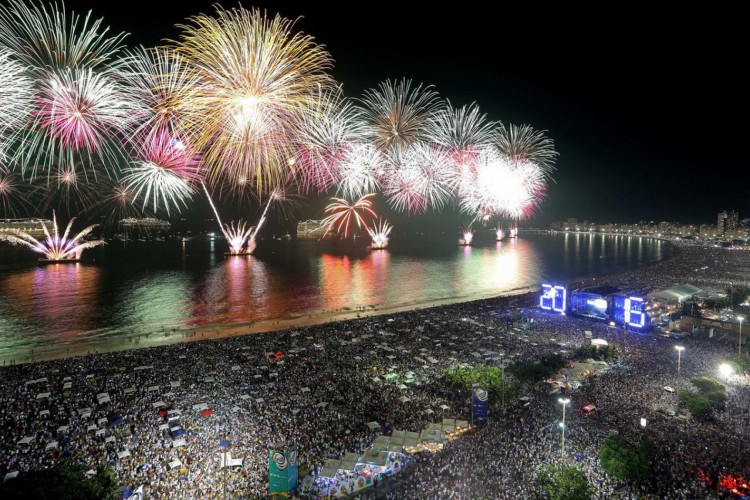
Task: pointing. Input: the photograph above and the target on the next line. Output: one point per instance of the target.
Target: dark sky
(646, 108)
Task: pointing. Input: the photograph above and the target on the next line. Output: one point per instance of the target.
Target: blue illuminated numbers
(553, 298)
(634, 314)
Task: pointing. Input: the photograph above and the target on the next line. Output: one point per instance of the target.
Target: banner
(282, 471)
(479, 404)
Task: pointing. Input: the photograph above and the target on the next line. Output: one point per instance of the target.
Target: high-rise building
(727, 221)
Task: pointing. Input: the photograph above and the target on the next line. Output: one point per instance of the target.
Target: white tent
(599, 342)
(43, 395)
(25, 441)
(174, 463)
(179, 442)
(226, 460)
(63, 428)
(52, 445)
(123, 454)
(373, 425)
(11, 475)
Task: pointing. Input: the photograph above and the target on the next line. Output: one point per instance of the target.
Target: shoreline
(167, 336)
(228, 330)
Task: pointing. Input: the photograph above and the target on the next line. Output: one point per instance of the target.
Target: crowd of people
(322, 384)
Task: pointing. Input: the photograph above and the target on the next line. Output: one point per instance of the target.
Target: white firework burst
(329, 127)
(360, 169)
(397, 113)
(419, 178)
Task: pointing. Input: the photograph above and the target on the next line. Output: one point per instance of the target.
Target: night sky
(645, 108)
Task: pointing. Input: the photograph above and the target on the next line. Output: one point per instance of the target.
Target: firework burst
(15, 97)
(360, 169)
(379, 234)
(79, 117)
(46, 38)
(397, 113)
(341, 214)
(168, 89)
(56, 247)
(462, 132)
(15, 194)
(257, 77)
(419, 178)
(164, 174)
(330, 127)
(238, 235)
(524, 144)
(467, 236)
(498, 186)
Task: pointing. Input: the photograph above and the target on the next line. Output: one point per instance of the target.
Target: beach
(257, 404)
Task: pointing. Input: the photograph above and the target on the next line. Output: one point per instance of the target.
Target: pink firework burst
(81, 110)
(342, 213)
(164, 173)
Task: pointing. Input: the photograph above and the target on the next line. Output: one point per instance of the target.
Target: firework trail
(341, 214)
(55, 247)
(257, 78)
(379, 234)
(397, 113)
(164, 173)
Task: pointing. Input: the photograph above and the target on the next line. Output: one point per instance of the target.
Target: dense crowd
(330, 380)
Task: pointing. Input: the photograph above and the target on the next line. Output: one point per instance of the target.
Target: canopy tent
(374, 457)
(174, 463)
(123, 454)
(599, 342)
(676, 294)
(179, 442)
(10, 475)
(207, 413)
(331, 468)
(373, 425)
(52, 445)
(226, 460)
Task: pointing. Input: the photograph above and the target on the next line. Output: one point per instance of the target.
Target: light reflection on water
(142, 288)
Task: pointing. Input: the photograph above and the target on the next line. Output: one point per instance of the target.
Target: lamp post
(564, 402)
(739, 337)
(725, 370)
(679, 358)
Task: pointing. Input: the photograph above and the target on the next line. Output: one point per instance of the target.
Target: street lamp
(564, 402)
(679, 358)
(725, 370)
(739, 337)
